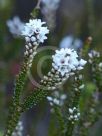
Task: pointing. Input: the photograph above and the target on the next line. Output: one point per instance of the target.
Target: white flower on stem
(18, 130)
(71, 42)
(15, 26)
(94, 53)
(82, 86)
(100, 66)
(82, 62)
(66, 63)
(57, 98)
(35, 31)
(74, 114)
(66, 60)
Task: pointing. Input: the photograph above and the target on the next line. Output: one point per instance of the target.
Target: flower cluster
(15, 26)
(94, 60)
(66, 61)
(96, 66)
(93, 54)
(71, 42)
(74, 114)
(52, 80)
(18, 130)
(57, 98)
(34, 31)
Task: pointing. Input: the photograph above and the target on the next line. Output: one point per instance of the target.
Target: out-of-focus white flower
(94, 53)
(100, 65)
(35, 32)
(82, 86)
(66, 61)
(57, 98)
(15, 26)
(48, 9)
(71, 42)
(74, 114)
(82, 62)
(18, 130)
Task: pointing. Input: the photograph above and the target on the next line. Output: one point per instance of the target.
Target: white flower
(63, 97)
(18, 130)
(70, 110)
(82, 86)
(71, 42)
(66, 60)
(49, 98)
(74, 114)
(94, 53)
(100, 67)
(15, 26)
(56, 101)
(82, 62)
(57, 98)
(34, 31)
(100, 64)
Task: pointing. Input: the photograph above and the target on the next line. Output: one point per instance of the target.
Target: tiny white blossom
(82, 62)
(82, 86)
(80, 77)
(57, 98)
(56, 101)
(70, 110)
(100, 65)
(49, 98)
(18, 130)
(63, 97)
(94, 53)
(15, 26)
(74, 114)
(34, 31)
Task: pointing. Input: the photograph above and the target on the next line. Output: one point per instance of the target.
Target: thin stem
(38, 4)
(60, 119)
(74, 102)
(34, 98)
(13, 122)
(36, 10)
(15, 109)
